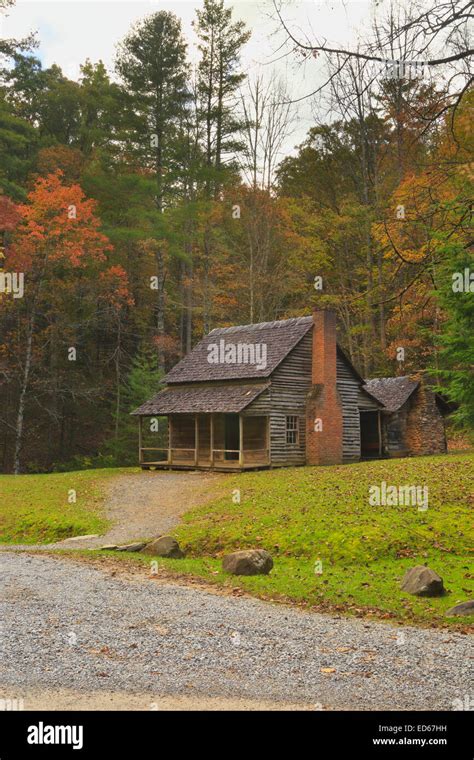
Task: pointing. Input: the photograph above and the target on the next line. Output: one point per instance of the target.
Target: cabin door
(370, 435)
(231, 436)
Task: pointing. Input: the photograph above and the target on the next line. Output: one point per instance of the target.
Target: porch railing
(169, 454)
(175, 455)
(242, 455)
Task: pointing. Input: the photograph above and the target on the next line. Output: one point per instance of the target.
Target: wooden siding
(367, 403)
(204, 436)
(261, 406)
(394, 432)
(182, 430)
(287, 395)
(348, 385)
(290, 384)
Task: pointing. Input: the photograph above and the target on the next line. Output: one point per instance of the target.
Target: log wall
(287, 395)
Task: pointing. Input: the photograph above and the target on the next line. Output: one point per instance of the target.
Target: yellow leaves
(420, 209)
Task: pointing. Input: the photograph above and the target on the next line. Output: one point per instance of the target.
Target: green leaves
(455, 359)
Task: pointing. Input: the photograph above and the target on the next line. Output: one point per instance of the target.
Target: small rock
(109, 547)
(131, 547)
(422, 581)
(165, 546)
(248, 562)
(464, 608)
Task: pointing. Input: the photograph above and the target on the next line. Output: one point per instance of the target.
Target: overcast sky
(69, 31)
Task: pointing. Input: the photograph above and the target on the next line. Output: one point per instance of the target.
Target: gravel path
(144, 505)
(149, 504)
(71, 626)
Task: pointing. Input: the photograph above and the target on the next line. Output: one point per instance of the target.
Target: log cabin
(284, 393)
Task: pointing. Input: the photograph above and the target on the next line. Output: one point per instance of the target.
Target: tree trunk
(383, 335)
(189, 308)
(160, 304)
(23, 392)
(117, 376)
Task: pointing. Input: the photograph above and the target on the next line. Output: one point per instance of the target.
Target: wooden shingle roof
(202, 399)
(279, 339)
(392, 392)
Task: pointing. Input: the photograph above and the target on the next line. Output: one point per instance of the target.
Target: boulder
(248, 562)
(422, 581)
(464, 608)
(165, 546)
(137, 547)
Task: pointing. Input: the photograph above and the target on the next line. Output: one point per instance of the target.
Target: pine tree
(17, 149)
(456, 369)
(153, 67)
(142, 382)
(219, 79)
(152, 64)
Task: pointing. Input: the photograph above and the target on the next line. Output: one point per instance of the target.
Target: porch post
(140, 439)
(211, 441)
(379, 423)
(241, 440)
(170, 433)
(196, 438)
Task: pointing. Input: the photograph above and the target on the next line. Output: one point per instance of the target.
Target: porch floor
(222, 467)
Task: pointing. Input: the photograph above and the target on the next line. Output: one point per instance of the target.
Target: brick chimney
(324, 408)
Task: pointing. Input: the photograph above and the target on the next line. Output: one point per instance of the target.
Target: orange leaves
(58, 224)
(58, 242)
(116, 287)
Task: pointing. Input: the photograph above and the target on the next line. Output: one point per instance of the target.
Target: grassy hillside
(36, 509)
(324, 512)
(309, 519)
(308, 515)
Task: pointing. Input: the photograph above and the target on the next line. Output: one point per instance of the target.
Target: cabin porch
(209, 441)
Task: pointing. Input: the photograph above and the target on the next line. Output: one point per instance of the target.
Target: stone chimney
(425, 430)
(324, 408)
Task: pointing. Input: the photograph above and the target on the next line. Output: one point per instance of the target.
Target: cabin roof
(278, 337)
(202, 399)
(196, 385)
(392, 392)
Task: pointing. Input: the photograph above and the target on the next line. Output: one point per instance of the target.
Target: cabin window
(292, 430)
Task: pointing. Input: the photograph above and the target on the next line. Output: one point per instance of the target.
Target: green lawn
(303, 515)
(36, 508)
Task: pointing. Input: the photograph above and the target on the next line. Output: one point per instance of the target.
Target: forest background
(149, 204)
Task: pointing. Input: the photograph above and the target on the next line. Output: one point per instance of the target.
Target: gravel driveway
(70, 626)
(149, 504)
